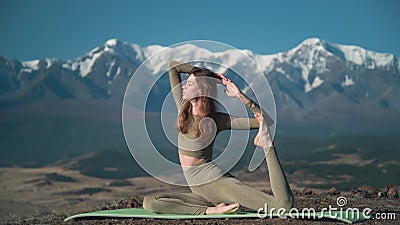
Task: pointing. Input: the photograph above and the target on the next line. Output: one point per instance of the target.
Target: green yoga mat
(350, 217)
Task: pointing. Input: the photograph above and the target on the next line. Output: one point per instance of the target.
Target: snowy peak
(313, 47)
(108, 52)
(112, 42)
(314, 62)
(309, 44)
(121, 49)
(33, 65)
(361, 57)
(29, 66)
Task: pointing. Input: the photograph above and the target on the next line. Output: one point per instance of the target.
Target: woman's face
(191, 89)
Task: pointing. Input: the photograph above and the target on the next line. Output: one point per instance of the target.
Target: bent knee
(287, 203)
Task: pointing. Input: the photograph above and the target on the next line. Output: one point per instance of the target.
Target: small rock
(392, 193)
(385, 189)
(133, 203)
(381, 194)
(372, 191)
(360, 193)
(306, 191)
(333, 191)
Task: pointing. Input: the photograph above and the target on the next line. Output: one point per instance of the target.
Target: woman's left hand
(231, 89)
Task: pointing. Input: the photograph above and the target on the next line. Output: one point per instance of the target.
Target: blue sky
(67, 29)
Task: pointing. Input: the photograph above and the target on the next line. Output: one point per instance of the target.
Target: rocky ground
(383, 201)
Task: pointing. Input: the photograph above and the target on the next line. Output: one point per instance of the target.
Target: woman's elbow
(173, 63)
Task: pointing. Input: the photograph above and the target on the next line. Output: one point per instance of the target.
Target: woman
(196, 136)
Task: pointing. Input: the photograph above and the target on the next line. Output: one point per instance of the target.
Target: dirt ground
(379, 200)
(31, 196)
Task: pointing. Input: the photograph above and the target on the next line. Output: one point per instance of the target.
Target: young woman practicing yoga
(195, 101)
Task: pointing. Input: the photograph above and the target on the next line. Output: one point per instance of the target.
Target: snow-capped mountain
(315, 84)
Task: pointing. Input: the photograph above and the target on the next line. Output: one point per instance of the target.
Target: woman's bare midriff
(189, 160)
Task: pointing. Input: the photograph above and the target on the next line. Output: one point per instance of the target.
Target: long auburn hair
(207, 105)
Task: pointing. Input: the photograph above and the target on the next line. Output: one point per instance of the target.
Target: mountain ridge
(315, 83)
(136, 55)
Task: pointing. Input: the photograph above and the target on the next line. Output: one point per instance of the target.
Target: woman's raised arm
(175, 69)
(233, 91)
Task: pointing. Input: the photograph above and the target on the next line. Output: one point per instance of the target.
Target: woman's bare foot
(222, 208)
(263, 137)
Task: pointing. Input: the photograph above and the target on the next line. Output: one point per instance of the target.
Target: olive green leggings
(228, 190)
